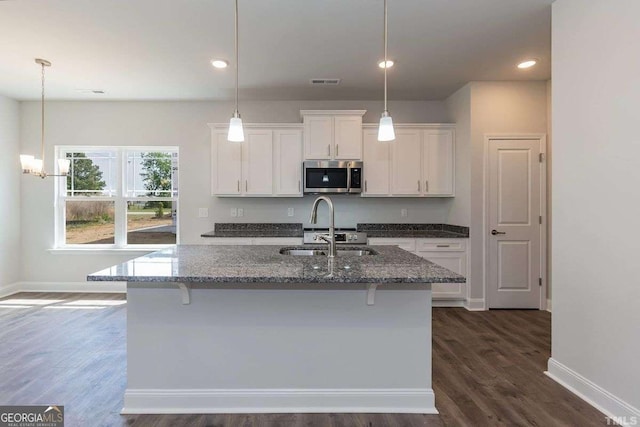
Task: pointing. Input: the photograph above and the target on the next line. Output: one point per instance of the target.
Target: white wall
(596, 202)
(184, 124)
(9, 192)
(459, 109)
(497, 108)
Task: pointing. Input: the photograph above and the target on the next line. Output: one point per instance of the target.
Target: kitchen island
(222, 329)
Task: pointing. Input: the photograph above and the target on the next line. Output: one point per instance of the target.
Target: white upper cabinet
(268, 163)
(257, 162)
(332, 135)
(406, 163)
(377, 165)
(438, 162)
(288, 162)
(226, 165)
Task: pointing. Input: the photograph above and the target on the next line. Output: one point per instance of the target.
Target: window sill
(107, 251)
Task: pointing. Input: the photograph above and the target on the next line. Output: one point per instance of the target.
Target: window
(118, 197)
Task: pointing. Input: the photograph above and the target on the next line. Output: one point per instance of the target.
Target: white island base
(266, 348)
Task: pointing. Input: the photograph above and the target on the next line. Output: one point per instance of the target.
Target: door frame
(542, 138)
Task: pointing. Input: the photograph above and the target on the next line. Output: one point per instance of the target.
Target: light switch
(403, 213)
(234, 212)
(203, 212)
(290, 212)
(240, 212)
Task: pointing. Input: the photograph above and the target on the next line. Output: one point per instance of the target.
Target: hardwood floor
(69, 349)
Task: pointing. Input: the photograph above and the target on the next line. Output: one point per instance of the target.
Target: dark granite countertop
(445, 231)
(265, 264)
(255, 230)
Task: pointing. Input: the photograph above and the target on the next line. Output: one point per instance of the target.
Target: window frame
(120, 200)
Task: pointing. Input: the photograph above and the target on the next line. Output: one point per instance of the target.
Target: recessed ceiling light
(389, 64)
(528, 63)
(219, 63)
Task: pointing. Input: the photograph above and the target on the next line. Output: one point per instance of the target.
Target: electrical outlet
(240, 212)
(234, 212)
(403, 213)
(290, 212)
(203, 212)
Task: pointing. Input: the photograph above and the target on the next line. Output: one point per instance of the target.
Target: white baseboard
(89, 287)
(447, 303)
(11, 289)
(475, 304)
(218, 401)
(548, 305)
(612, 406)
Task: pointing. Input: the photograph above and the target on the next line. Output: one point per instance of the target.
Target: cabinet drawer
(441, 245)
(406, 244)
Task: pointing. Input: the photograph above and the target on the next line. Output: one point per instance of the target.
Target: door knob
(495, 232)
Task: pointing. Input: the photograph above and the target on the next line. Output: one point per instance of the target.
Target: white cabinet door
(377, 165)
(406, 166)
(288, 162)
(438, 162)
(226, 165)
(257, 162)
(318, 137)
(347, 137)
(454, 261)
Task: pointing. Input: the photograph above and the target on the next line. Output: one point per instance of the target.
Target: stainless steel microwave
(332, 176)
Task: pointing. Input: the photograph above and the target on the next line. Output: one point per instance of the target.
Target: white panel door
(406, 169)
(347, 132)
(318, 137)
(257, 162)
(288, 162)
(514, 229)
(377, 170)
(438, 162)
(226, 162)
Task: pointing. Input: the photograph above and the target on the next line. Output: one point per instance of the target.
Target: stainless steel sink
(303, 252)
(321, 252)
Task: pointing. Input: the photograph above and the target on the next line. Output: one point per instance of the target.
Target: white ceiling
(160, 49)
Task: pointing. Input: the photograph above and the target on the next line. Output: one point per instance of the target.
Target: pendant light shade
(385, 129)
(28, 163)
(236, 133)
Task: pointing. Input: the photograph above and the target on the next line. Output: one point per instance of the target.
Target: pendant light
(31, 165)
(385, 130)
(236, 134)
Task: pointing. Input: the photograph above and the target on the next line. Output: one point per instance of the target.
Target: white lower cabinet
(448, 253)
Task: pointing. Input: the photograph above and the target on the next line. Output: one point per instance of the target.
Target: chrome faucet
(331, 238)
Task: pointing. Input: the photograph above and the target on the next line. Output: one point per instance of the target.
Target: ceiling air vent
(324, 82)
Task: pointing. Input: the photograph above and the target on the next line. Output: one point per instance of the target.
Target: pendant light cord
(236, 47)
(42, 120)
(385, 55)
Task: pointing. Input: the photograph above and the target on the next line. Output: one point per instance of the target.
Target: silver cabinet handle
(418, 186)
(365, 186)
(337, 150)
(426, 186)
(238, 186)
(442, 246)
(329, 150)
(246, 185)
